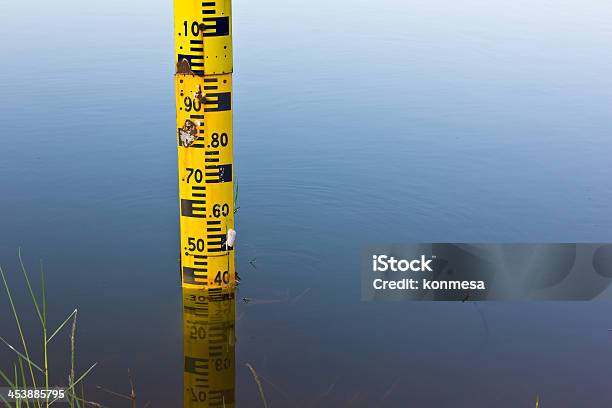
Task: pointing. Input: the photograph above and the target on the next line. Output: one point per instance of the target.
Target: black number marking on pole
(220, 210)
(222, 277)
(217, 140)
(195, 244)
(192, 104)
(191, 28)
(196, 173)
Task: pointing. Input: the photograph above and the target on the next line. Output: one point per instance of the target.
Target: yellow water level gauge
(203, 86)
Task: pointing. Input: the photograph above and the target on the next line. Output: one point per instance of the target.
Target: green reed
(28, 374)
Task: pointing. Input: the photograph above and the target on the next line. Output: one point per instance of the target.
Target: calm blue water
(355, 122)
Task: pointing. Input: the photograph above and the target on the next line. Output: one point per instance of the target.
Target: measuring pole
(203, 84)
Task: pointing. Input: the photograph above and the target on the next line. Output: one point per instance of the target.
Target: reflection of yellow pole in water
(209, 348)
(203, 85)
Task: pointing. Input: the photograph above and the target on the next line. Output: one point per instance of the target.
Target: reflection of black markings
(199, 311)
(217, 295)
(197, 366)
(218, 398)
(202, 382)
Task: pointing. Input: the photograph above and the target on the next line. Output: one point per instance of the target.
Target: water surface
(355, 123)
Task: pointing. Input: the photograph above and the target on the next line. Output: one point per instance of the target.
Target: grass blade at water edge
(45, 342)
(27, 279)
(23, 342)
(256, 378)
(61, 326)
(77, 381)
(21, 355)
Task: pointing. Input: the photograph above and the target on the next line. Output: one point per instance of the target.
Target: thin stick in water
(256, 378)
